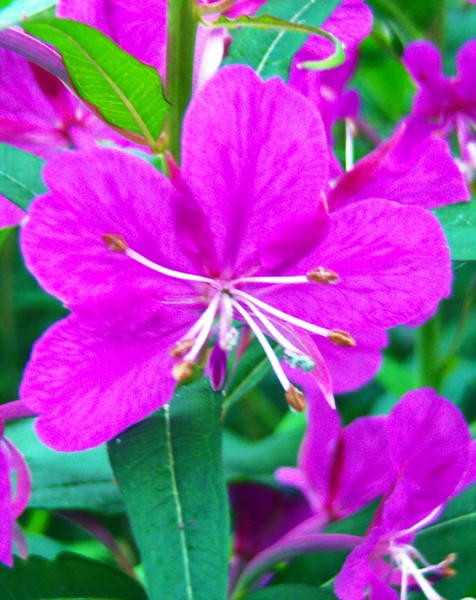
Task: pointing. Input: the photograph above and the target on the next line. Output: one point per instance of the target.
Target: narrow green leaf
(20, 175)
(291, 591)
(459, 223)
(72, 480)
(270, 51)
(169, 471)
(68, 577)
(267, 22)
(127, 93)
(14, 11)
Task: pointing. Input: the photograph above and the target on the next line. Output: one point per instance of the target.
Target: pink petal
(390, 273)
(6, 513)
(23, 479)
(10, 214)
(88, 386)
(252, 153)
(466, 76)
(94, 193)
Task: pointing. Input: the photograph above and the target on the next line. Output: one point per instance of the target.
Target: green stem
(429, 371)
(182, 30)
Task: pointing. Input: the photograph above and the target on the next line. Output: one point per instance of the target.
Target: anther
(115, 242)
(341, 338)
(182, 371)
(180, 349)
(448, 570)
(322, 275)
(296, 399)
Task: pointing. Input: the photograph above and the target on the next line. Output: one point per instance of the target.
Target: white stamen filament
(278, 336)
(207, 319)
(282, 315)
(166, 271)
(226, 321)
(349, 144)
(409, 568)
(273, 359)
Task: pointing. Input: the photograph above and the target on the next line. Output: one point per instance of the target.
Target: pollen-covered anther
(181, 348)
(296, 399)
(115, 242)
(182, 370)
(322, 275)
(448, 570)
(341, 338)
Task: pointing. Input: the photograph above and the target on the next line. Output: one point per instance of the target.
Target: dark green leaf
(127, 93)
(20, 175)
(14, 11)
(67, 577)
(169, 470)
(459, 223)
(270, 52)
(80, 480)
(291, 592)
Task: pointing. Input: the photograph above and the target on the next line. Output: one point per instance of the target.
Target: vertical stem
(181, 34)
(429, 371)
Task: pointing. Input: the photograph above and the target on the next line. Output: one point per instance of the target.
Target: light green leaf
(169, 471)
(127, 93)
(69, 480)
(459, 223)
(20, 175)
(270, 51)
(15, 11)
(68, 577)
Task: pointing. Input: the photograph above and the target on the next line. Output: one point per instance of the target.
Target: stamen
(282, 315)
(341, 338)
(182, 371)
(181, 348)
(207, 322)
(409, 568)
(296, 399)
(115, 242)
(273, 359)
(226, 321)
(322, 275)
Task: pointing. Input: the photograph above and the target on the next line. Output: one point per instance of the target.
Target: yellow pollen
(296, 399)
(322, 275)
(115, 242)
(182, 371)
(341, 338)
(181, 348)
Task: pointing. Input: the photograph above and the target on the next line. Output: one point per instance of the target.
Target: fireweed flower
(445, 104)
(331, 471)
(152, 270)
(432, 457)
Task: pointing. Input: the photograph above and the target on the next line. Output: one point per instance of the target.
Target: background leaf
(459, 223)
(20, 175)
(169, 471)
(127, 93)
(15, 11)
(270, 52)
(288, 592)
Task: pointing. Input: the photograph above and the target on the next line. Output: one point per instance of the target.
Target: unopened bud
(296, 399)
(322, 275)
(341, 338)
(115, 242)
(182, 371)
(181, 348)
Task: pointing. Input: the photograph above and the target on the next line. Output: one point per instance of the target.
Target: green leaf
(14, 11)
(79, 480)
(67, 577)
(459, 223)
(267, 22)
(20, 175)
(127, 93)
(169, 471)
(270, 52)
(292, 591)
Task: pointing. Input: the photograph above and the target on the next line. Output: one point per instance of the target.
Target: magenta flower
(152, 269)
(445, 104)
(408, 168)
(331, 471)
(350, 22)
(14, 497)
(432, 457)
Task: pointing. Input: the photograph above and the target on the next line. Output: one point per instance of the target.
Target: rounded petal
(88, 387)
(97, 192)
(256, 159)
(429, 443)
(393, 265)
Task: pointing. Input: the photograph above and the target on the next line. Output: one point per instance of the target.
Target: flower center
(227, 300)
